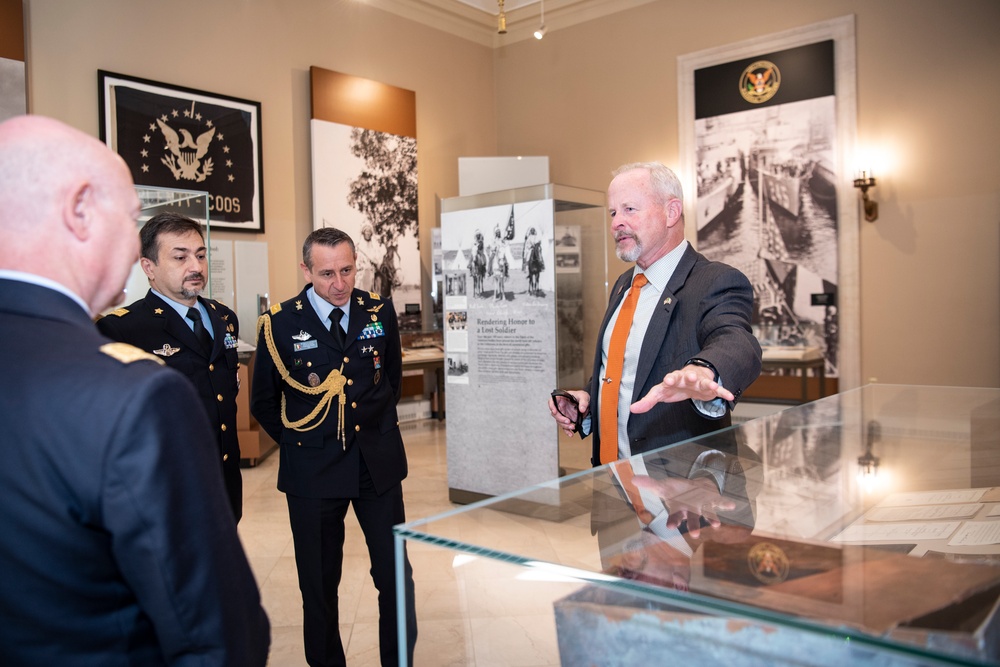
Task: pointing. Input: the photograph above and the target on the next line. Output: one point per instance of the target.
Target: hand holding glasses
(569, 407)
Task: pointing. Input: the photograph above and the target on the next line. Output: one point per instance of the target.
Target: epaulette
(126, 353)
(375, 295)
(275, 309)
(119, 312)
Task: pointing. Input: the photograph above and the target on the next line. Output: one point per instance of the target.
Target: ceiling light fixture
(501, 20)
(541, 28)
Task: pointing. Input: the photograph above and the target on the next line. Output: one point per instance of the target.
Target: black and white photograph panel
(365, 183)
(507, 251)
(766, 204)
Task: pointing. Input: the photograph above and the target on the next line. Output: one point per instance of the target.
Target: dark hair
(164, 223)
(328, 236)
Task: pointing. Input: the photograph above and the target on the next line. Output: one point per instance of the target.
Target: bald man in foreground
(116, 543)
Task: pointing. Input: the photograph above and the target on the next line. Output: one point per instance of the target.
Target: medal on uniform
(313, 380)
(378, 376)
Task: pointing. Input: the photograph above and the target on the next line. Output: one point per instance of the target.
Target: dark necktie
(338, 332)
(199, 329)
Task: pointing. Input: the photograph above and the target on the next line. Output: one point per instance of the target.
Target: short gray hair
(328, 236)
(664, 180)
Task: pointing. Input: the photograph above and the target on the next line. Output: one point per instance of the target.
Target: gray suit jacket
(704, 312)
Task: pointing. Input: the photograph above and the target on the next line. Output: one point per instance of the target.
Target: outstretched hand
(688, 500)
(690, 382)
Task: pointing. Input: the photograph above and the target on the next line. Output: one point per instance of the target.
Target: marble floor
(469, 613)
(267, 540)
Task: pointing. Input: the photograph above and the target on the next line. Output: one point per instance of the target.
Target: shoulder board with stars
(126, 353)
(119, 312)
(375, 295)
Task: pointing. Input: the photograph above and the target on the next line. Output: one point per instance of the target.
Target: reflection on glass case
(153, 200)
(862, 528)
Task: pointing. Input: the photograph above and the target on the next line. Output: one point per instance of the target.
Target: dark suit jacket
(704, 312)
(118, 547)
(154, 326)
(315, 462)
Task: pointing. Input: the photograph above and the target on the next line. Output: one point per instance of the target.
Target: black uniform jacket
(154, 326)
(116, 543)
(704, 312)
(320, 455)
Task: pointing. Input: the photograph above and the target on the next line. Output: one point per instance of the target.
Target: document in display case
(861, 529)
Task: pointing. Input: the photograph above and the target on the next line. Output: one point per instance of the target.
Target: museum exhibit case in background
(524, 273)
(861, 528)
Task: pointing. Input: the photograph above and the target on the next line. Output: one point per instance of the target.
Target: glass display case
(862, 528)
(154, 200)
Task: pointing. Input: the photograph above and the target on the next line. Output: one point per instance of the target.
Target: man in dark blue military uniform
(326, 382)
(195, 335)
(116, 547)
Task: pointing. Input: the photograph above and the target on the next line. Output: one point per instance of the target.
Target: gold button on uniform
(211, 367)
(347, 360)
(219, 397)
(225, 457)
(309, 364)
(354, 405)
(350, 383)
(357, 428)
(223, 428)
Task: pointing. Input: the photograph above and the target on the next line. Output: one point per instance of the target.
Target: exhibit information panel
(862, 528)
(514, 301)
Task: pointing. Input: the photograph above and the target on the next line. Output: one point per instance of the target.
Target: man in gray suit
(689, 352)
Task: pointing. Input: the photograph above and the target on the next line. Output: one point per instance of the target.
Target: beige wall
(603, 93)
(593, 96)
(261, 50)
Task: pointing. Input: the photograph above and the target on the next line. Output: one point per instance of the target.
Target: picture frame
(841, 32)
(176, 137)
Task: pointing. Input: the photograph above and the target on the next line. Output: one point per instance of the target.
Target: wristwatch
(705, 364)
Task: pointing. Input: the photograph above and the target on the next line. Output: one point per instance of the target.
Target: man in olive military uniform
(195, 335)
(326, 382)
(118, 548)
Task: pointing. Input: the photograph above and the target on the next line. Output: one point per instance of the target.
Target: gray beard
(629, 255)
(193, 293)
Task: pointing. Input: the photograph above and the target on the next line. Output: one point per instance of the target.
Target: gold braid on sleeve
(332, 386)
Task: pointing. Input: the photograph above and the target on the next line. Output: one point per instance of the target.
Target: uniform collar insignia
(225, 317)
(361, 301)
(298, 304)
(158, 311)
(167, 351)
(301, 335)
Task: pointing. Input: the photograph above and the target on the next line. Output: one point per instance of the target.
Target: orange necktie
(626, 475)
(613, 372)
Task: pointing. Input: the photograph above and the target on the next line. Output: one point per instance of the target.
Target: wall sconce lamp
(871, 206)
(501, 20)
(868, 462)
(541, 28)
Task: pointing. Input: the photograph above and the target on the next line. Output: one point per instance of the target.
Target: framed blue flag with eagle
(174, 137)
